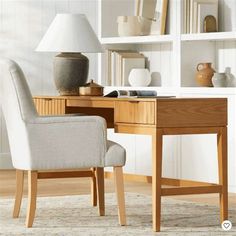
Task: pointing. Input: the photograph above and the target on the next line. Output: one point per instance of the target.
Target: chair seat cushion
(115, 155)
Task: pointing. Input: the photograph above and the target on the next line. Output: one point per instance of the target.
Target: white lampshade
(70, 33)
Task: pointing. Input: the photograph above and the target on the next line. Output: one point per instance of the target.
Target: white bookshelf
(219, 36)
(138, 39)
(173, 58)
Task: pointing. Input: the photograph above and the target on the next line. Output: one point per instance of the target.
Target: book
(119, 65)
(135, 94)
(131, 93)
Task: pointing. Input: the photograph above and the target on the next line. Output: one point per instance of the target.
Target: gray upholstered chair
(54, 143)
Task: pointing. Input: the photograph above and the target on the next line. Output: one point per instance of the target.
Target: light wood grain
(192, 112)
(223, 173)
(50, 106)
(78, 186)
(157, 140)
(65, 174)
(93, 188)
(163, 16)
(135, 112)
(168, 116)
(191, 190)
(19, 192)
(32, 195)
(100, 190)
(119, 183)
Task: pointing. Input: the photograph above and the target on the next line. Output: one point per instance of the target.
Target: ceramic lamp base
(70, 72)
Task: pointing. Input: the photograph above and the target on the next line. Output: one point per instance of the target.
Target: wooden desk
(158, 117)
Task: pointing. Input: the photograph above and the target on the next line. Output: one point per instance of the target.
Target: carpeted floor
(73, 215)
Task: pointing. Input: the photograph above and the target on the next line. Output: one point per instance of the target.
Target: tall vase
(204, 74)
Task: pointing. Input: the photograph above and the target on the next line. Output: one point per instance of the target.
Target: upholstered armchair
(40, 144)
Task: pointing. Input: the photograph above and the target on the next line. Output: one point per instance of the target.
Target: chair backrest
(17, 106)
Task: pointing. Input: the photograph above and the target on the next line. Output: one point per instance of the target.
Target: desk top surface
(101, 98)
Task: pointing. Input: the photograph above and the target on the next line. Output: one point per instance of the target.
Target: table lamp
(70, 34)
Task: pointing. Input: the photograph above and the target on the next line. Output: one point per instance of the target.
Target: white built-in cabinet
(172, 59)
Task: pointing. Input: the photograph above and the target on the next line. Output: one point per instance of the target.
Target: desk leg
(222, 165)
(157, 139)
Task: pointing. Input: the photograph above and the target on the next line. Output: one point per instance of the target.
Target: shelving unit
(172, 61)
(219, 36)
(138, 39)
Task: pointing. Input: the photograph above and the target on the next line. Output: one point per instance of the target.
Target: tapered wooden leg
(100, 190)
(119, 183)
(156, 178)
(19, 192)
(93, 189)
(223, 173)
(32, 194)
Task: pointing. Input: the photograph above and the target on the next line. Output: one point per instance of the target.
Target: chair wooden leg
(93, 189)
(119, 183)
(19, 192)
(100, 190)
(222, 166)
(32, 194)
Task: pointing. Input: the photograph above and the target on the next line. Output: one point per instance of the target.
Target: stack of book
(119, 65)
(195, 13)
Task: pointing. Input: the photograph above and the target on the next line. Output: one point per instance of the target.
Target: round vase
(204, 74)
(139, 77)
(220, 80)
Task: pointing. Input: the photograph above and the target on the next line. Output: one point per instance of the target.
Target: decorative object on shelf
(204, 74)
(133, 25)
(146, 24)
(146, 10)
(219, 80)
(230, 77)
(195, 12)
(156, 24)
(139, 77)
(210, 24)
(91, 89)
(70, 34)
(119, 65)
(159, 22)
(129, 25)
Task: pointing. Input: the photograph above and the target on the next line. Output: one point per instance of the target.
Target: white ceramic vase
(219, 80)
(139, 77)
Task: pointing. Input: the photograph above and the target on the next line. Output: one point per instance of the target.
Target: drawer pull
(134, 101)
(47, 99)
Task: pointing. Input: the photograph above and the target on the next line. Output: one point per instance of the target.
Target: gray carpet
(73, 215)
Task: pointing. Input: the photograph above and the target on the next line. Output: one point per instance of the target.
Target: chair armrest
(67, 142)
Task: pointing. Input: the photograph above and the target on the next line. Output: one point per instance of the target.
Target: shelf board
(138, 39)
(209, 90)
(209, 36)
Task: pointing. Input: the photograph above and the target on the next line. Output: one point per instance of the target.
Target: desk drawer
(50, 106)
(136, 112)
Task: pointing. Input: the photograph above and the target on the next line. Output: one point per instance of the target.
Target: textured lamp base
(70, 72)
